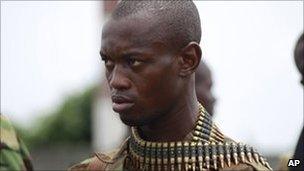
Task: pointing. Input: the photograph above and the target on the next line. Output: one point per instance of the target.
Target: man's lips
(121, 107)
(121, 103)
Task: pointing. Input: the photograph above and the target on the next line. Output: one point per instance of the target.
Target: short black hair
(178, 19)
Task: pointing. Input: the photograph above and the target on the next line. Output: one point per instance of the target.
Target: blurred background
(54, 91)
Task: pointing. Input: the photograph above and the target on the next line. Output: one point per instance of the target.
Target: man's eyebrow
(136, 52)
(131, 53)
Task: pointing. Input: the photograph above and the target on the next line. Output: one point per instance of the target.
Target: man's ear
(190, 57)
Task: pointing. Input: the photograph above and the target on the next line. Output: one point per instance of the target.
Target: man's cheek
(148, 89)
(155, 84)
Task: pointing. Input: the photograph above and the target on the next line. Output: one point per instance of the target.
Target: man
(13, 153)
(151, 51)
(299, 60)
(203, 86)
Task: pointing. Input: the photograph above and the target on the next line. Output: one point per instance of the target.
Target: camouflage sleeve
(83, 166)
(97, 162)
(13, 152)
(111, 161)
(100, 162)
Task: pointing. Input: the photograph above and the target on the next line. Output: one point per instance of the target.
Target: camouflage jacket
(116, 161)
(13, 152)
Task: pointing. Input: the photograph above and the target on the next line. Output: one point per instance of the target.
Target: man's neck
(174, 125)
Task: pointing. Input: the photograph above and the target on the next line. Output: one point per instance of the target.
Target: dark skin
(203, 86)
(152, 84)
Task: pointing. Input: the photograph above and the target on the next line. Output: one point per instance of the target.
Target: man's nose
(118, 79)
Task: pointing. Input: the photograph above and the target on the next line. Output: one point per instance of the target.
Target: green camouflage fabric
(13, 152)
(99, 161)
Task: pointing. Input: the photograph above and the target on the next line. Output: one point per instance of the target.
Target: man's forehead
(130, 26)
(130, 32)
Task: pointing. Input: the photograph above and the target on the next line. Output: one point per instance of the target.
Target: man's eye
(108, 62)
(134, 62)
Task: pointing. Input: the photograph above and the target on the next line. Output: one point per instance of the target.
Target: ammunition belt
(191, 155)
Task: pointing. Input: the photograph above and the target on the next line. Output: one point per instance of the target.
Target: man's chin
(133, 121)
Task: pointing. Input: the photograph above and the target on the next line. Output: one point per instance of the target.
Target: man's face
(140, 69)
(203, 88)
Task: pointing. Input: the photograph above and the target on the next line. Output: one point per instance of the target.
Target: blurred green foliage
(70, 123)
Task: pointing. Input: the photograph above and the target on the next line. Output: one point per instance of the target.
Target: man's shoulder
(82, 165)
(99, 161)
(103, 161)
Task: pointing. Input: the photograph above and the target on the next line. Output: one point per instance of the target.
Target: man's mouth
(121, 103)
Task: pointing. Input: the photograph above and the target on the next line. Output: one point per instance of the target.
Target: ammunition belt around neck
(191, 155)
